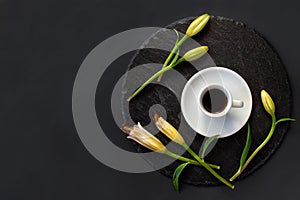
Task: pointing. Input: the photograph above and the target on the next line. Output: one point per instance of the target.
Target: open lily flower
(167, 129)
(144, 138)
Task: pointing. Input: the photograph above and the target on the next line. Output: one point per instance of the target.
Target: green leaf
(176, 175)
(246, 148)
(206, 145)
(176, 35)
(284, 120)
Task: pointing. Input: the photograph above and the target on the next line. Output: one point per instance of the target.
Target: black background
(42, 44)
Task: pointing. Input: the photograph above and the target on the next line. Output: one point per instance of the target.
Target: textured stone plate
(236, 46)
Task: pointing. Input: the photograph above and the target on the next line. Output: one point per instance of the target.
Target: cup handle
(237, 104)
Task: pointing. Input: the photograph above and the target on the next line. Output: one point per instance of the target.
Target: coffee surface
(214, 101)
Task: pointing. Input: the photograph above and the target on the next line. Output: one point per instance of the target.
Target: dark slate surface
(238, 47)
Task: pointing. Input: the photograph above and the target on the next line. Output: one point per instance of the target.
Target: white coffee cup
(236, 112)
(216, 101)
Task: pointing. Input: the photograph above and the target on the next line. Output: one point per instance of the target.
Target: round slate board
(240, 48)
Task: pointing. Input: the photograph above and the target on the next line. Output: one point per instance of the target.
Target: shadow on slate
(238, 47)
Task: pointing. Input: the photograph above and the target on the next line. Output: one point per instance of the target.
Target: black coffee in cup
(214, 100)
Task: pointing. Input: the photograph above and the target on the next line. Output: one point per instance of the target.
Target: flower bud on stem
(195, 27)
(191, 55)
(269, 107)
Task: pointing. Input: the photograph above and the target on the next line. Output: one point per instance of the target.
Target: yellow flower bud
(197, 25)
(267, 102)
(167, 129)
(144, 138)
(195, 54)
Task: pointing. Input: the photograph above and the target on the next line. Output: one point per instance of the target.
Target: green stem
(238, 172)
(169, 153)
(214, 166)
(175, 48)
(152, 78)
(256, 150)
(207, 167)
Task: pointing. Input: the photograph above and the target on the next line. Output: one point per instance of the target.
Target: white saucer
(223, 126)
